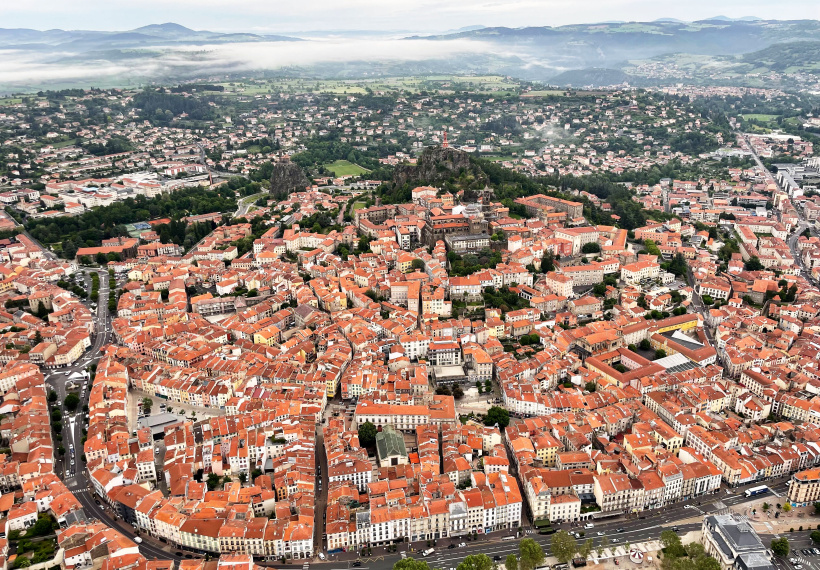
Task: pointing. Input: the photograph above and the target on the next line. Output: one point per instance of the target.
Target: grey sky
(422, 15)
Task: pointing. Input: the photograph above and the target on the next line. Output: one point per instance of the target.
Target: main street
(74, 473)
(685, 516)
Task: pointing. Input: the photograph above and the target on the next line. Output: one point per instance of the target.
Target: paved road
(686, 515)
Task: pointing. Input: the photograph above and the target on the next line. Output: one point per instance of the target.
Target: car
(798, 567)
(619, 529)
(451, 546)
(599, 533)
(462, 545)
(793, 560)
(497, 558)
(321, 556)
(356, 564)
(138, 540)
(178, 553)
(614, 541)
(816, 550)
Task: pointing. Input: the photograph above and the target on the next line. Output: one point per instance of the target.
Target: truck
(428, 552)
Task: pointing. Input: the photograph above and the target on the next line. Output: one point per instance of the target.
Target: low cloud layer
(24, 69)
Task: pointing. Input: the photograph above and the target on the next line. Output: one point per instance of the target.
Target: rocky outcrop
(287, 177)
(436, 165)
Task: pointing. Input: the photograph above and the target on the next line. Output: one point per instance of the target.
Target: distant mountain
(465, 29)
(555, 50)
(151, 35)
(718, 51)
(728, 19)
(167, 30)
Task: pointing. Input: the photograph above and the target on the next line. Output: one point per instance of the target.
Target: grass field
(760, 117)
(357, 206)
(345, 168)
(64, 144)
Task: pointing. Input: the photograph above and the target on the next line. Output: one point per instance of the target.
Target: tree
(146, 405)
(660, 353)
(591, 247)
(243, 477)
(367, 434)
(767, 506)
(815, 536)
(476, 562)
(458, 392)
(497, 415)
(706, 563)
(69, 249)
(563, 546)
(599, 290)
(585, 549)
(417, 265)
(511, 562)
(52, 396)
(590, 386)
(672, 544)
(780, 546)
(817, 509)
(530, 554)
(753, 264)
(645, 344)
(548, 263)
(694, 550)
(71, 402)
(787, 507)
(410, 564)
(213, 481)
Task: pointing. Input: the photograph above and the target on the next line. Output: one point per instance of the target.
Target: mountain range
(153, 35)
(720, 50)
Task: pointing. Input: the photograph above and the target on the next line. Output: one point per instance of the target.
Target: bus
(757, 491)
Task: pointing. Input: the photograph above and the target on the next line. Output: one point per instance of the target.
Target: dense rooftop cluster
(372, 372)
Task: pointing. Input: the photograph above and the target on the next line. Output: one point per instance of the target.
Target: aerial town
(255, 325)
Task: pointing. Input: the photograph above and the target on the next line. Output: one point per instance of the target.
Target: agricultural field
(543, 93)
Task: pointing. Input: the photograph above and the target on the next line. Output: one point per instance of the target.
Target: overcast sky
(420, 15)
